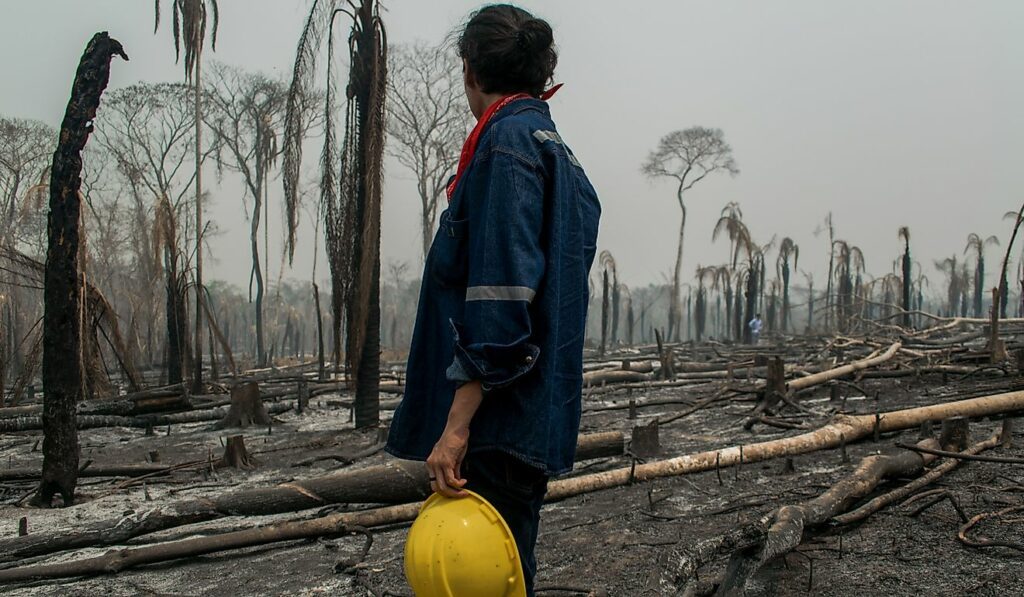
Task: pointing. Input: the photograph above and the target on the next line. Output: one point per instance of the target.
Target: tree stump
(956, 434)
(774, 390)
(235, 455)
(644, 442)
(246, 408)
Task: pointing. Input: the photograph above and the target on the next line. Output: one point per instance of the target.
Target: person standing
(755, 328)
(495, 370)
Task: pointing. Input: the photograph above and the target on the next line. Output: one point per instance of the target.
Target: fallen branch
(965, 455)
(789, 522)
(986, 542)
(923, 481)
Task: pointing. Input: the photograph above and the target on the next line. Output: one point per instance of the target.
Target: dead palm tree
(976, 244)
(350, 201)
(788, 251)
(954, 284)
(722, 283)
(190, 21)
(809, 278)
(1004, 288)
(904, 235)
(700, 309)
(608, 263)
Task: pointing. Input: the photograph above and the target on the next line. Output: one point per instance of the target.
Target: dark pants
(516, 490)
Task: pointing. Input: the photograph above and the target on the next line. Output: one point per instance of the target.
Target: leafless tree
(26, 147)
(149, 131)
(687, 156)
(247, 117)
(427, 121)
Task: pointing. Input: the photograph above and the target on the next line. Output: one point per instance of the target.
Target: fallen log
(123, 470)
(395, 482)
(116, 560)
(815, 379)
(141, 421)
(597, 378)
(843, 429)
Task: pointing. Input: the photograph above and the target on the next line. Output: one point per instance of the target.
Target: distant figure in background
(755, 326)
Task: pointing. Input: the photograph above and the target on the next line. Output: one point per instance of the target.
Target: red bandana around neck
(469, 147)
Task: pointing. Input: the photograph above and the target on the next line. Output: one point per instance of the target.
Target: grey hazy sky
(885, 113)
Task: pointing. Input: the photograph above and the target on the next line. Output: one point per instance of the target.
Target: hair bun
(535, 35)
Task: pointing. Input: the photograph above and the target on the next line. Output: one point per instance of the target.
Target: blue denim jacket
(504, 298)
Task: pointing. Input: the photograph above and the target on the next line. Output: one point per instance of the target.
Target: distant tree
(904, 235)
(788, 251)
(687, 156)
(849, 267)
(701, 307)
(954, 283)
(1004, 288)
(148, 129)
(809, 278)
(722, 283)
(976, 244)
(427, 121)
(191, 19)
(26, 148)
(830, 312)
(246, 116)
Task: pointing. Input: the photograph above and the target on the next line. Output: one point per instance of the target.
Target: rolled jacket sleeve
(505, 269)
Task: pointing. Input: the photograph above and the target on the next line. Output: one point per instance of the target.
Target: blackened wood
(62, 295)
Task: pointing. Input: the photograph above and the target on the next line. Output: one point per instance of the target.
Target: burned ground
(619, 541)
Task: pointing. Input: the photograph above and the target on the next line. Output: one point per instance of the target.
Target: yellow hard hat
(461, 547)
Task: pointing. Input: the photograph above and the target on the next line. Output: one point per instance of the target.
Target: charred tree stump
(63, 375)
(667, 358)
(235, 455)
(644, 442)
(774, 390)
(956, 434)
(246, 408)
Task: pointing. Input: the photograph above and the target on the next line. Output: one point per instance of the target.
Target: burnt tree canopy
(62, 296)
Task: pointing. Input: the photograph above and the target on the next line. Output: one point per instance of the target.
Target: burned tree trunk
(62, 294)
(362, 168)
(604, 313)
(236, 455)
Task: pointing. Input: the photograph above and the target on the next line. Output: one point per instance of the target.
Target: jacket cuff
(494, 365)
(458, 374)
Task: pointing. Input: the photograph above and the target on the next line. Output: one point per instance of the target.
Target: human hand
(445, 462)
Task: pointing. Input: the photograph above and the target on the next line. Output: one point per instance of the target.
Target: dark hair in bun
(508, 50)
